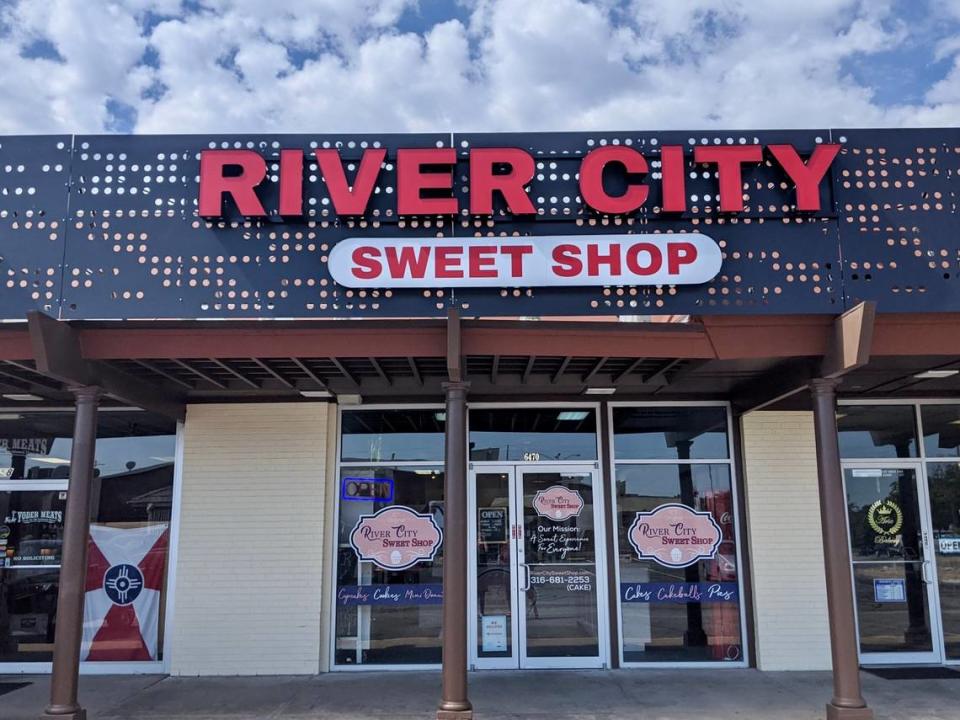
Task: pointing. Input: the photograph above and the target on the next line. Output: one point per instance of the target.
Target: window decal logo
(675, 536)
(558, 503)
(396, 538)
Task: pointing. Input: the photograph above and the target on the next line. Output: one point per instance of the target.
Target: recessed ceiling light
(22, 397)
(936, 374)
(599, 391)
(10, 416)
(345, 399)
(572, 415)
(316, 393)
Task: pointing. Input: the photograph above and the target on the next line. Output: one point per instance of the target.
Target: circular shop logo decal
(123, 583)
(885, 517)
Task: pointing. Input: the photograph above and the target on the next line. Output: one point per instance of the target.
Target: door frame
(519, 658)
(474, 662)
(935, 655)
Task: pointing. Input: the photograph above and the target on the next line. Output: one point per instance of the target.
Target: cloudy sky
(163, 66)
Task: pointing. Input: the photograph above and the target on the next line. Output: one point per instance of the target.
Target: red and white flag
(122, 604)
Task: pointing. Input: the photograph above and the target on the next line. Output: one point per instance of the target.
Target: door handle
(923, 572)
(526, 578)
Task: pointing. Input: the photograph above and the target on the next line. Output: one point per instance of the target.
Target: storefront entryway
(892, 556)
(537, 586)
(901, 462)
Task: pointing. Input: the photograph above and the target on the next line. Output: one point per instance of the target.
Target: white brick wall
(250, 555)
(786, 545)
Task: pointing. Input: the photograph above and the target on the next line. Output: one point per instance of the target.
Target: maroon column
(73, 562)
(847, 702)
(454, 704)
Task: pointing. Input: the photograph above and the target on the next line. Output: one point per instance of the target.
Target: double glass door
(891, 547)
(537, 588)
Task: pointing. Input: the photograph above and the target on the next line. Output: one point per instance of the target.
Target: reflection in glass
(28, 613)
(391, 435)
(877, 431)
(941, 430)
(678, 614)
(560, 552)
(533, 434)
(887, 551)
(386, 616)
(944, 481)
(670, 433)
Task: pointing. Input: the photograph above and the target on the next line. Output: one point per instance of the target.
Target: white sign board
(493, 633)
(542, 261)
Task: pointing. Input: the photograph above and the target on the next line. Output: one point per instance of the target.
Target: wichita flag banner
(122, 604)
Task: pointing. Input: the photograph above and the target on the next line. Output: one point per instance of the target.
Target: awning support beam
(58, 354)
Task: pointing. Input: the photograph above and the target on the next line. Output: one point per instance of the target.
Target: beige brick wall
(250, 555)
(786, 546)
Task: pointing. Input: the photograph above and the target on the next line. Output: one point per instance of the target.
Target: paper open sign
(396, 538)
(675, 536)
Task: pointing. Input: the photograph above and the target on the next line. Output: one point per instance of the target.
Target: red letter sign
(213, 183)
(591, 179)
(728, 161)
(806, 176)
(483, 182)
(350, 200)
(411, 181)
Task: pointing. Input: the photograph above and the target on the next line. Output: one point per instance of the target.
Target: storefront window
(679, 580)
(390, 544)
(131, 507)
(877, 431)
(941, 430)
(391, 435)
(533, 434)
(670, 433)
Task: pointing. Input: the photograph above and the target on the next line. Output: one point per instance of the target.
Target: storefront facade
(298, 404)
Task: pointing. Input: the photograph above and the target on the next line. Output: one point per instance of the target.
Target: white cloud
(341, 65)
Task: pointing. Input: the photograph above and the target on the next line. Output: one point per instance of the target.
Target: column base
(455, 714)
(835, 712)
(78, 714)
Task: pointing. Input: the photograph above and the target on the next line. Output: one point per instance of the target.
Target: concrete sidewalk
(555, 695)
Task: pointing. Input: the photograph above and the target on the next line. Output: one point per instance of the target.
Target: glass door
(493, 571)
(560, 618)
(536, 533)
(890, 546)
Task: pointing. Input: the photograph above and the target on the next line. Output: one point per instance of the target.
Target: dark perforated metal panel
(109, 229)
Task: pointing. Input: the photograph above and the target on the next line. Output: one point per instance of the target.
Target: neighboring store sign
(390, 595)
(675, 535)
(889, 591)
(32, 537)
(680, 592)
(885, 519)
(558, 503)
(121, 609)
(419, 262)
(26, 445)
(493, 633)
(492, 525)
(396, 538)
